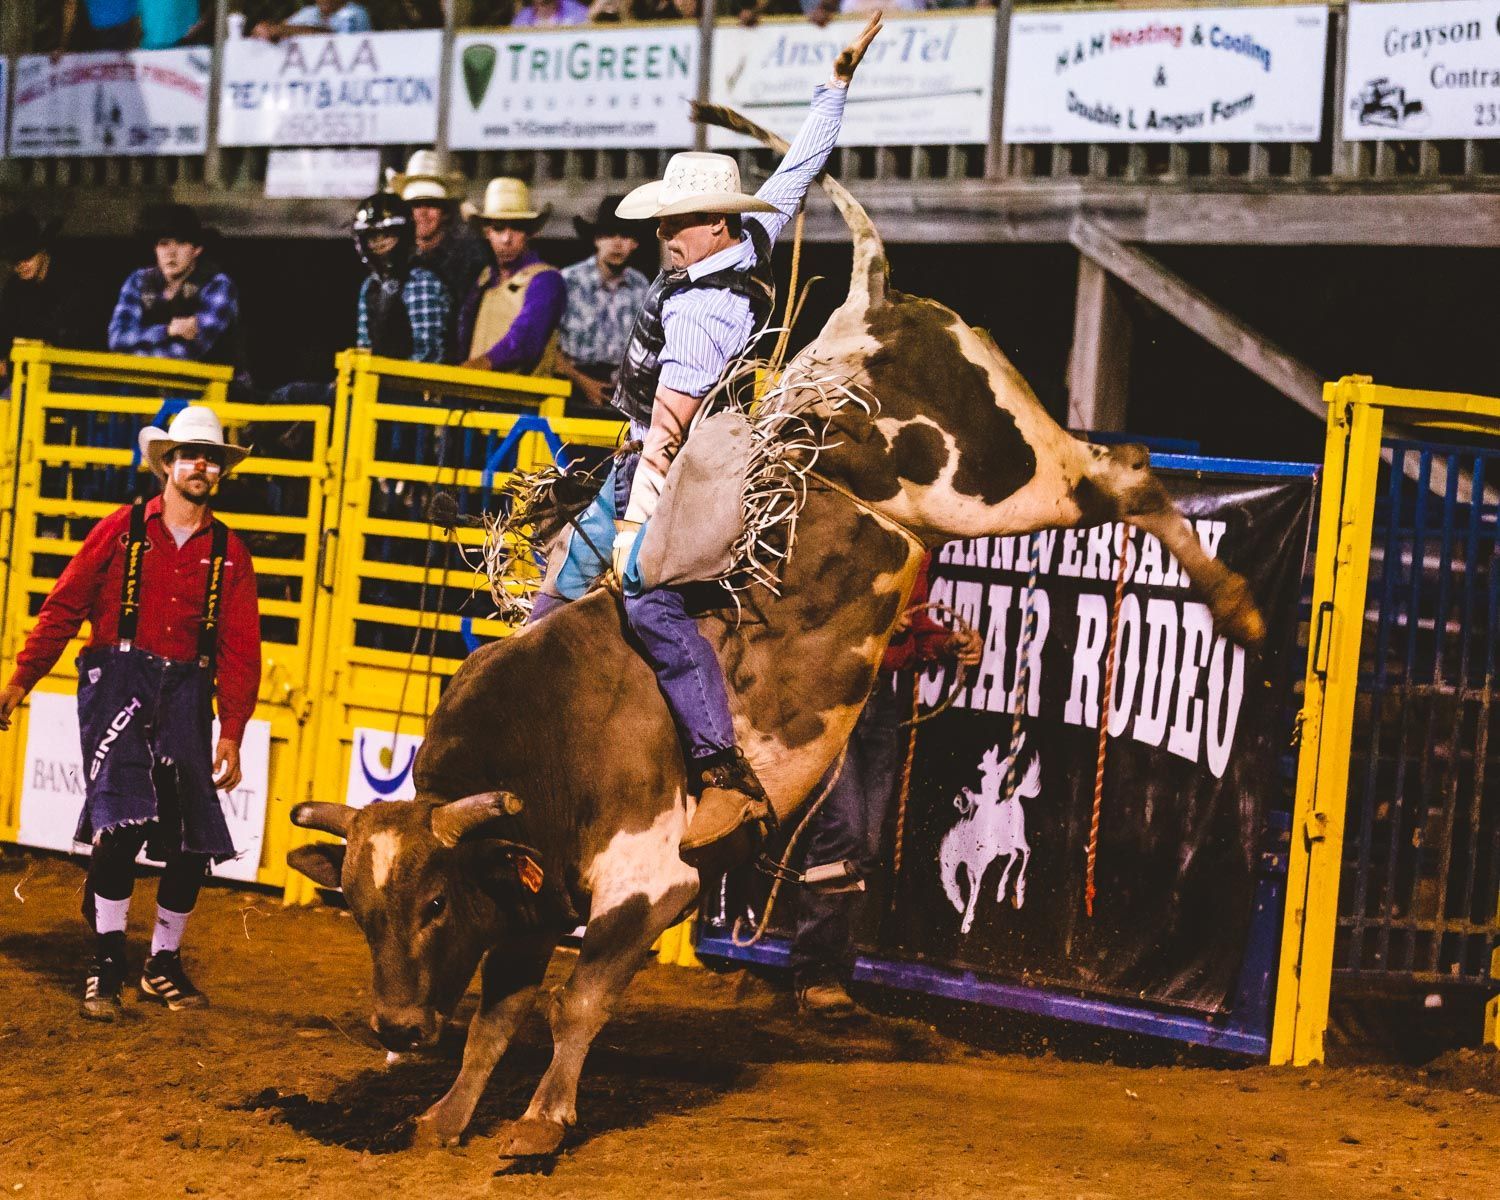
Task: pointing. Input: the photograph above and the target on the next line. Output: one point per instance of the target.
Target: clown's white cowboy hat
(425, 179)
(507, 199)
(695, 182)
(193, 426)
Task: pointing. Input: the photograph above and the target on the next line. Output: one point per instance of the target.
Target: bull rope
(1105, 703)
(782, 871)
(1020, 689)
(904, 794)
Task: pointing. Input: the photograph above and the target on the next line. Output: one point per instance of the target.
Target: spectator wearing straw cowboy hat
(509, 320)
(445, 245)
(604, 295)
(169, 594)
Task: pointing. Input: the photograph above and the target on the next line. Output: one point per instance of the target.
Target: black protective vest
(641, 367)
(390, 323)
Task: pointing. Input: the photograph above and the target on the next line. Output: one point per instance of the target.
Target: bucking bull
(551, 787)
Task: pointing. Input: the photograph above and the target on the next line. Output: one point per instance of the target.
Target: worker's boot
(733, 816)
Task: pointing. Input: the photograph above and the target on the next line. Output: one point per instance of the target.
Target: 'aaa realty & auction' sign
(1173, 75)
(925, 81)
(1427, 70)
(372, 89)
(574, 87)
(141, 102)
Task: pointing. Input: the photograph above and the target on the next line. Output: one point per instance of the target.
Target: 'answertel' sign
(1173, 75)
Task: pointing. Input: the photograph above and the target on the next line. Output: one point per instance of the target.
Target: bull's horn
(330, 818)
(454, 821)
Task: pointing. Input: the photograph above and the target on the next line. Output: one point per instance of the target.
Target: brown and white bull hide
(555, 745)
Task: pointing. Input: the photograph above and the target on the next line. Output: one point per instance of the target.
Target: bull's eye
(434, 908)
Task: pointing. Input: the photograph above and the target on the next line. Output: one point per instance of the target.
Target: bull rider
(169, 594)
(699, 316)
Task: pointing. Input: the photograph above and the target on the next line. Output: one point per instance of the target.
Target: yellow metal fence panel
(1359, 413)
(407, 600)
(80, 416)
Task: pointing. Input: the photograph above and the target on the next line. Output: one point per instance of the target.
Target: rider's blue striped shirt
(706, 328)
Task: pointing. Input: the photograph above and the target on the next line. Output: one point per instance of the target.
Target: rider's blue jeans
(687, 670)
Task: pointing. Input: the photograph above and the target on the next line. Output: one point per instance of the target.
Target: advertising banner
(1427, 70)
(141, 102)
(371, 89)
(52, 785)
(319, 172)
(995, 852)
(926, 81)
(578, 87)
(380, 767)
(1172, 75)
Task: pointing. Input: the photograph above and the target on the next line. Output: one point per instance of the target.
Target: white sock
(109, 915)
(166, 934)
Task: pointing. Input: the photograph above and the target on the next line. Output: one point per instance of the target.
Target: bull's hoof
(433, 1132)
(530, 1137)
(1236, 614)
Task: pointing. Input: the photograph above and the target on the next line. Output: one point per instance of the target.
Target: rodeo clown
(169, 594)
(700, 315)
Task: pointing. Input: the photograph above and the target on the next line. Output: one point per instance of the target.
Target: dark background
(1411, 318)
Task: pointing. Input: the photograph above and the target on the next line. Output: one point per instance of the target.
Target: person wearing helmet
(169, 594)
(403, 309)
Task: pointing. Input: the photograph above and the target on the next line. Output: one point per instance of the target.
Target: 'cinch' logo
(112, 735)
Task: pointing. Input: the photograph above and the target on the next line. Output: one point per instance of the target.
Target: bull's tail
(872, 269)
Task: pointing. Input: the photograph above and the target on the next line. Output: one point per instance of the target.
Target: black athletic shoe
(164, 980)
(101, 990)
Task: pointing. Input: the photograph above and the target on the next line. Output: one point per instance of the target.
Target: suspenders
(130, 588)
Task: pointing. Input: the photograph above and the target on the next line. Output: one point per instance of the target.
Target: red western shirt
(924, 639)
(173, 583)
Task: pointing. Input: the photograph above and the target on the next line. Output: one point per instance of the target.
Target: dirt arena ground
(704, 1086)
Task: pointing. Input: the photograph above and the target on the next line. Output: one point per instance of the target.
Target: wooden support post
(996, 161)
(1220, 328)
(1099, 365)
(705, 66)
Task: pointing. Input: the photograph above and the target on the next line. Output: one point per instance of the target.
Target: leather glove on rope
(625, 534)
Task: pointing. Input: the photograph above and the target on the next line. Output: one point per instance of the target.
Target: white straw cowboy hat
(507, 199)
(695, 182)
(193, 426)
(425, 179)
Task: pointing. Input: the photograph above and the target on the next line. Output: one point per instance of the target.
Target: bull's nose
(399, 1038)
(396, 1036)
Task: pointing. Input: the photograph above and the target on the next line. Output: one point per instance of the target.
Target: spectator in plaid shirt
(184, 307)
(403, 310)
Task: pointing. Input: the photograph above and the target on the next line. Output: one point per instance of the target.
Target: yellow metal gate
(1407, 707)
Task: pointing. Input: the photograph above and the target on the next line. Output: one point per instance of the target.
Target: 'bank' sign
(1173, 75)
(1422, 71)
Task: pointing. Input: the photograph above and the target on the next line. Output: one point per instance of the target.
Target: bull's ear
(322, 862)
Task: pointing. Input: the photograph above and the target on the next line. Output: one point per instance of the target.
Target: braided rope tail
(1022, 685)
(1105, 704)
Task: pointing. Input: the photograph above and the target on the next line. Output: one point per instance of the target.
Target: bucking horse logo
(991, 826)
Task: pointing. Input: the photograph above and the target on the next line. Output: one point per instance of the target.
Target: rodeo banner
(579, 87)
(926, 80)
(52, 785)
(1422, 71)
(995, 848)
(1173, 75)
(372, 89)
(141, 102)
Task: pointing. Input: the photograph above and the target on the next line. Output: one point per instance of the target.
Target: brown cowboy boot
(733, 816)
